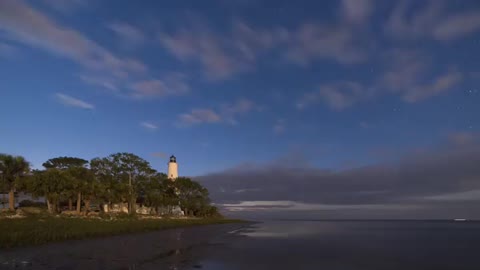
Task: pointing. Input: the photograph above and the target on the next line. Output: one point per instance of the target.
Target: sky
(325, 109)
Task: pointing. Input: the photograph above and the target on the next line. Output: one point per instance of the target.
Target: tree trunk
(87, 206)
(49, 206)
(79, 202)
(130, 195)
(70, 204)
(11, 199)
(54, 206)
(133, 203)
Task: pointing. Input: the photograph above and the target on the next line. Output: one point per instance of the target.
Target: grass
(36, 230)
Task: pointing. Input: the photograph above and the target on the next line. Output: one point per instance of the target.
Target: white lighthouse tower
(172, 168)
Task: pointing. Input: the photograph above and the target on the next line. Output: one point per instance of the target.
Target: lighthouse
(172, 168)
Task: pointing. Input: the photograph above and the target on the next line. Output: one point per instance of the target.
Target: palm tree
(11, 169)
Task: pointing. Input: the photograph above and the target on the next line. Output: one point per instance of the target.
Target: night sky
(324, 109)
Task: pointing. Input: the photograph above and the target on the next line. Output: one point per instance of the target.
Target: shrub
(30, 203)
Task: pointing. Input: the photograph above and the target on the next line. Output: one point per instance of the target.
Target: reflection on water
(350, 245)
(287, 229)
(14, 264)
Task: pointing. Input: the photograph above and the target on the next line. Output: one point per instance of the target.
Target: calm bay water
(350, 245)
(325, 245)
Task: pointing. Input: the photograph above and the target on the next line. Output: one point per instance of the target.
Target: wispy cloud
(198, 116)
(130, 35)
(331, 42)
(159, 154)
(171, 85)
(227, 113)
(230, 112)
(338, 96)
(29, 26)
(408, 74)
(149, 125)
(200, 44)
(67, 5)
(73, 102)
(432, 20)
(357, 11)
(405, 73)
(226, 54)
(103, 82)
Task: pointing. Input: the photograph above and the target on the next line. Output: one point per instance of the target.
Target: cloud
(171, 85)
(67, 6)
(338, 96)
(159, 154)
(242, 106)
(415, 179)
(149, 125)
(442, 83)
(198, 116)
(256, 206)
(227, 113)
(124, 77)
(129, 34)
(99, 81)
(73, 102)
(463, 138)
(357, 11)
(250, 42)
(200, 45)
(433, 20)
(471, 195)
(407, 74)
(331, 42)
(29, 26)
(223, 55)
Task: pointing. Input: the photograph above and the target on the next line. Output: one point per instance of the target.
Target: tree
(76, 169)
(159, 191)
(192, 196)
(63, 163)
(12, 169)
(82, 183)
(50, 184)
(111, 188)
(127, 170)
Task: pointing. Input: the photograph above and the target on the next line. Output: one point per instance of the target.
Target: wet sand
(168, 249)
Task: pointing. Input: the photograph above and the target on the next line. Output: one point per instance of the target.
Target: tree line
(118, 178)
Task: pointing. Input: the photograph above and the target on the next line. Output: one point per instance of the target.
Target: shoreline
(174, 248)
(35, 231)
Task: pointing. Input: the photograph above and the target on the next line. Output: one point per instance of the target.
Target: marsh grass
(40, 229)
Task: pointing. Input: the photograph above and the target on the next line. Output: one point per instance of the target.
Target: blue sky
(335, 84)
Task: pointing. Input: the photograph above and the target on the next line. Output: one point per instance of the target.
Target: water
(350, 245)
(325, 245)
